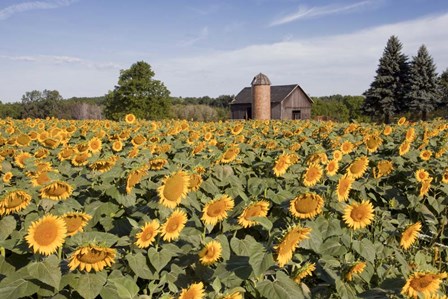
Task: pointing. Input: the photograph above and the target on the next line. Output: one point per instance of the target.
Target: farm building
(263, 101)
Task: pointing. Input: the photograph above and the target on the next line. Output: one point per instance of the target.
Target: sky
(210, 48)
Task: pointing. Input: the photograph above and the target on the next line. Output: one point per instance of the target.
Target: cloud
(318, 11)
(344, 64)
(61, 60)
(11, 10)
(203, 34)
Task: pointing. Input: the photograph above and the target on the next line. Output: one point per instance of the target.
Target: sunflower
(424, 189)
(195, 182)
(92, 257)
(425, 155)
(20, 159)
(409, 236)
(75, 222)
(346, 147)
(80, 159)
(40, 179)
(56, 190)
(312, 175)
(358, 167)
(401, 121)
(344, 186)
(194, 291)
(66, 154)
(337, 155)
(410, 134)
(41, 153)
(421, 175)
(304, 271)
(238, 128)
(358, 215)
(46, 234)
(148, 234)
(256, 209)
(281, 165)
(133, 152)
(373, 142)
(130, 118)
(211, 253)
(422, 283)
(14, 201)
(216, 209)
(306, 206)
(404, 148)
(51, 142)
(23, 140)
(7, 177)
(229, 155)
(174, 188)
(157, 163)
(290, 242)
(95, 145)
(117, 146)
(103, 165)
(382, 168)
(172, 227)
(445, 176)
(233, 295)
(134, 178)
(355, 269)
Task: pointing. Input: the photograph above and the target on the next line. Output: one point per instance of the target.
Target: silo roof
(261, 79)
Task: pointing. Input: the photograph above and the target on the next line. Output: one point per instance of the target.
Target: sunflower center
(174, 187)
(210, 252)
(216, 209)
(14, 201)
(358, 214)
(148, 234)
(357, 167)
(45, 233)
(172, 225)
(92, 256)
(73, 223)
(421, 283)
(230, 154)
(306, 205)
(57, 190)
(253, 212)
(331, 166)
(42, 178)
(312, 174)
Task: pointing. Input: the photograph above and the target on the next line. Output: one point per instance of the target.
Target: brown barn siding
(239, 111)
(276, 111)
(296, 101)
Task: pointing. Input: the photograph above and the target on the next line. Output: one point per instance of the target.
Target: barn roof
(278, 94)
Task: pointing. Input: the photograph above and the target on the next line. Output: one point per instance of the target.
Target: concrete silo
(261, 97)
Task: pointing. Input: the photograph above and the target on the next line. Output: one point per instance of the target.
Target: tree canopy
(138, 93)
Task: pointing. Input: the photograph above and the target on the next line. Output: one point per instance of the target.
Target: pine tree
(443, 85)
(138, 93)
(423, 92)
(386, 95)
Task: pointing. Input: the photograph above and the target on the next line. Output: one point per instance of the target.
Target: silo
(261, 97)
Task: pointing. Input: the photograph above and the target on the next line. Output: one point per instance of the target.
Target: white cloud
(344, 64)
(203, 34)
(11, 10)
(305, 12)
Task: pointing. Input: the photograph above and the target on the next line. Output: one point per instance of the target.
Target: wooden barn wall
(276, 111)
(239, 111)
(296, 101)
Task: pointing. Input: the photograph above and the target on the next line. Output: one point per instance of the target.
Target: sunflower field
(225, 210)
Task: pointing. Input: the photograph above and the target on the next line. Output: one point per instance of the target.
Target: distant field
(256, 209)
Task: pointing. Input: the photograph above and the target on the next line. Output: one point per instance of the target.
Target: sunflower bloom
(404, 148)
(230, 155)
(410, 134)
(344, 186)
(421, 175)
(216, 210)
(306, 206)
(387, 130)
(7, 177)
(20, 159)
(130, 118)
(337, 155)
(281, 165)
(134, 178)
(426, 185)
(14, 201)
(304, 271)
(75, 222)
(234, 295)
(148, 234)
(174, 188)
(425, 155)
(289, 243)
(211, 253)
(312, 175)
(372, 143)
(103, 165)
(410, 234)
(157, 164)
(194, 291)
(445, 176)
(421, 283)
(46, 234)
(195, 182)
(357, 268)
(358, 167)
(56, 191)
(401, 121)
(92, 257)
(358, 215)
(332, 167)
(257, 209)
(383, 168)
(117, 146)
(172, 227)
(347, 147)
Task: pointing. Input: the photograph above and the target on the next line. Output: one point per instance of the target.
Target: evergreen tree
(423, 92)
(138, 93)
(387, 92)
(443, 85)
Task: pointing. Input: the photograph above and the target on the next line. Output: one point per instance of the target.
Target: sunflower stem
(2, 251)
(60, 252)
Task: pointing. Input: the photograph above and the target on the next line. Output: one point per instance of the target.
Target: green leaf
(126, 287)
(263, 221)
(366, 249)
(283, 288)
(138, 264)
(47, 271)
(7, 226)
(5, 268)
(159, 259)
(91, 284)
(18, 288)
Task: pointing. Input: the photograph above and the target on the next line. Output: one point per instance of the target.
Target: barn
(263, 101)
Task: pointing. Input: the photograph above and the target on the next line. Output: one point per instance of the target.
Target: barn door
(296, 114)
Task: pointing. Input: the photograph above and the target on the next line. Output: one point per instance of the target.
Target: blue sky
(199, 47)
